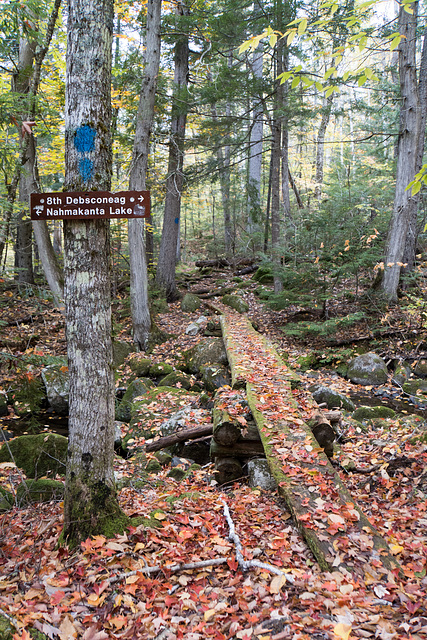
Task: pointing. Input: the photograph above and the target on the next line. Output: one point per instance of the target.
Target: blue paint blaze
(84, 139)
(86, 169)
(176, 220)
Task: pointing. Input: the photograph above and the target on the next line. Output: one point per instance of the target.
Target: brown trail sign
(89, 205)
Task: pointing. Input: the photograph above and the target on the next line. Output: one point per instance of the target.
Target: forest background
(290, 145)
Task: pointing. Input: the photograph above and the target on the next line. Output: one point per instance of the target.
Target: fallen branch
(179, 436)
(248, 564)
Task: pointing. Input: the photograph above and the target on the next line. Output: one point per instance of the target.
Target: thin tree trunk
(276, 154)
(165, 275)
(255, 149)
(90, 504)
(141, 321)
(404, 203)
(320, 146)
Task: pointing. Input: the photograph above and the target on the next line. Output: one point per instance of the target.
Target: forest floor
(131, 587)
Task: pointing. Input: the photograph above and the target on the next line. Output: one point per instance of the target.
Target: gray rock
(140, 365)
(214, 376)
(419, 369)
(332, 398)
(401, 373)
(235, 302)
(195, 327)
(207, 351)
(260, 475)
(136, 388)
(413, 386)
(368, 369)
(177, 379)
(121, 350)
(190, 303)
(57, 382)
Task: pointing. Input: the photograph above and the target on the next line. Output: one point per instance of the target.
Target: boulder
(235, 302)
(37, 455)
(368, 369)
(207, 351)
(57, 382)
(419, 369)
(140, 365)
(190, 303)
(372, 413)
(401, 373)
(415, 386)
(3, 405)
(333, 399)
(159, 369)
(136, 388)
(43, 490)
(215, 376)
(195, 327)
(177, 379)
(260, 475)
(121, 350)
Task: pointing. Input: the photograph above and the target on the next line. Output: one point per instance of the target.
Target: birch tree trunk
(141, 321)
(320, 146)
(409, 132)
(165, 275)
(90, 505)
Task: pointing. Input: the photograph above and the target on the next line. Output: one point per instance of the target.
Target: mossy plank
(336, 530)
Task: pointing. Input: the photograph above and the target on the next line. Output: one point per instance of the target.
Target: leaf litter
(108, 588)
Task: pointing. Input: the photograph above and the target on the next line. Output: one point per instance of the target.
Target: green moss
(160, 369)
(38, 455)
(371, 413)
(42, 490)
(90, 510)
(307, 362)
(140, 365)
(235, 302)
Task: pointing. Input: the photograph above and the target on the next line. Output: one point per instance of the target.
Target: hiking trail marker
(88, 205)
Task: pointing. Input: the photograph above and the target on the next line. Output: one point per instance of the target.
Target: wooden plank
(336, 530)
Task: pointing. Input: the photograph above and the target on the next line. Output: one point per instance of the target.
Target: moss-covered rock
(263, 274)
(333, 399)
(190, 303)
(42, 490)
(159, 369)
(235, 302)
(121, 350)
(6, 501)
(401, 373)
(136, 388)
(154, 408)
(207, 351)
(214, 376)
(372, 413)
(419, 369)
(140, 365)
(415, 387)
(3, 405)
(307, 361)
(37, 455)
(177, 379)
(368, 369)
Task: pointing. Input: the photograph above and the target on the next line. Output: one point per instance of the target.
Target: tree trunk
(413, 230)
(275, 171)
(404, 203)
(90, 504)
(320, 146)
(141, 321)
(51, 268)
(165, 275)
(255, 148)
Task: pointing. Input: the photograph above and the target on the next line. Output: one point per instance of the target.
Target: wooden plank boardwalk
(339, 534)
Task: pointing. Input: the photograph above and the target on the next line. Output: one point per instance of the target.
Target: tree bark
(90, 504)
(255, 148)
(141, 321)
(404, 203)
(165, 275)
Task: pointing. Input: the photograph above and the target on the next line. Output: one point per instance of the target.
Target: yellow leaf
(209, 614)
(277, 583)
(132, 579)
(139, 546)
(342, 630)
(159, 515)
(302, 26)
(396, 548)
